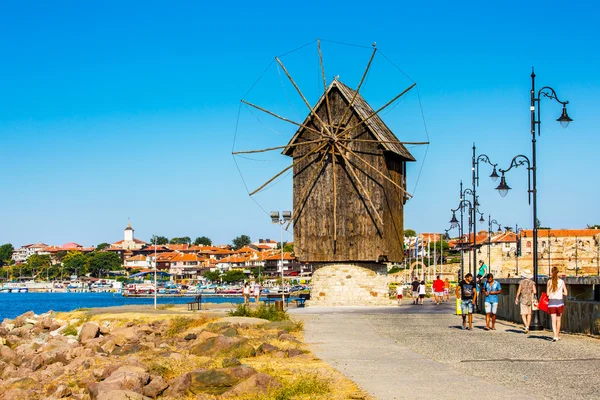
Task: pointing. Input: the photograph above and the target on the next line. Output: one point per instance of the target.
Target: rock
(7, 354)
(24, 383)
(62, 391)
(121, 395)
(218, 326)
(129, 349)
(16, 394)
(239, 348)
(281, 325)
(294, 352)
(206, 335)
(286, 337)
(231, 362)
(89, 330)
(230, 332)
(123, 336)
(266, 348)
(105, 328)
(155, 388)
(129, 377)
(256, 384)
(212, 381)
(190, 336)
(178, 387)
(109, 346)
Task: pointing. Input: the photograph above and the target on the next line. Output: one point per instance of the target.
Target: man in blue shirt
(491, 290)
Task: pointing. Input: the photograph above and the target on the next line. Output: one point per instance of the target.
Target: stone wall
(349, 285)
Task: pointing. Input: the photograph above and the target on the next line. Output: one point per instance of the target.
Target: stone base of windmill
(349, 285)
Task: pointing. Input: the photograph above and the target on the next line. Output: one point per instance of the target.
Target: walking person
(525, 295)
(438, 290)
(399, 294)
(446, 289)
(246, 292)
(422, 291)
(415, 291)
(491, 290)
(555, 290)
(256, 292)
(467, 293)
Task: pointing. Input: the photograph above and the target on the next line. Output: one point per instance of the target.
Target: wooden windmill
(349, 178)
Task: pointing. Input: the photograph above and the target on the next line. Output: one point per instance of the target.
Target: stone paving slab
(421, 352)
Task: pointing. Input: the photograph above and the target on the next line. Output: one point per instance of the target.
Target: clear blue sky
(129, 109)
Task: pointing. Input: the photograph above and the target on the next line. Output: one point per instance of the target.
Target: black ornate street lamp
(454, 222)
(503, 187)
(491, 222)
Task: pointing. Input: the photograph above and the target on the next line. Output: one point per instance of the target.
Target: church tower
(128, 235)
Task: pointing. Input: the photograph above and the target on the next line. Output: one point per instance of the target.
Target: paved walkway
(420, 352)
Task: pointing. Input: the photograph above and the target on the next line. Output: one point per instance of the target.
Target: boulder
(286, 337)
(155, 388)
(231, 362)
(62, 391)
(266, 348)
(89, 330)
(206, 335)
(129, 349)
(286, 326)
(294, 352)
(239, 348)
(121, 395)
(178, 387)
(7, 354)
(212, 381)
(256, 384)
(190, 336)
(122, 336)
(129, 377)
(109, 346)
(230, 332)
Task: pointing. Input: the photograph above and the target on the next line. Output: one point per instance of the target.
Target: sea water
(15, 304)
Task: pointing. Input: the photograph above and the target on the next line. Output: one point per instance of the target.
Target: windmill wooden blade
(362, 122)
(362, 79)
(324, 82)
(375, 169)
(278, 147)
(312, 110)
(287, 168)
(282, 118)
(379, 141)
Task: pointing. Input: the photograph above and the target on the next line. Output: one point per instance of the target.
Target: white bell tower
(128, 234)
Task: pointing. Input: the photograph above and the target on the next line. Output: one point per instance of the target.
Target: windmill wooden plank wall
(366, 228)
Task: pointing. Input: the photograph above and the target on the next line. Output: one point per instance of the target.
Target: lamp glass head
(453, 221)
(503, 188)
(564, 119)
(494, 175)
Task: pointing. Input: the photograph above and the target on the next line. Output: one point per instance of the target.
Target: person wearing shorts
(467, 293)
(399, 294)
(438, 290)
(524, 298)
(415, 291)
(556, 289)
(422, 291)
(491, 290)
(446, 289)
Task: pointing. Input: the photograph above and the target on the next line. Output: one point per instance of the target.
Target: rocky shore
(139, 355)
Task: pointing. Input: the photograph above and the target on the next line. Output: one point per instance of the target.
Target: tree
(233, 276)
(181, 240)
(37, 263)
(102, 246)
(6, 251)
(159, 240)
(241, 241)
(213, 276)
(75, 263)
(594, 226)
(203, 240)
(410, 233)
(101, 262)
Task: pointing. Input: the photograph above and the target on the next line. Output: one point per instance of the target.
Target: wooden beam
(347, 130)
(337, 129)
(366, 194)
(381, 141)
(312, 110)
(287, 168)
(278, 147)
(281, 118)
(374, 169)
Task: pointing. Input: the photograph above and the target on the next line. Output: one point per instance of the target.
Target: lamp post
(490, 224)
(475, 182)
(286, 216)
(455, 223)
(503, 188)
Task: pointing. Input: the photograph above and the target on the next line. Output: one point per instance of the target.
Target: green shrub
(262, 311)
(70, 330)
(306, 385)
(178, 325)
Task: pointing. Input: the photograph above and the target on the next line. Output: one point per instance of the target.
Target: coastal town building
(129, 242)
(21, 254)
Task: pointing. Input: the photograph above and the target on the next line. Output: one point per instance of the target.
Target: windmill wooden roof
(375, 125)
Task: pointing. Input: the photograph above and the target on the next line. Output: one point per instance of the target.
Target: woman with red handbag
(556, 289)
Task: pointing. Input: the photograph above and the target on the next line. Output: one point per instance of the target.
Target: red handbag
(543, 303)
